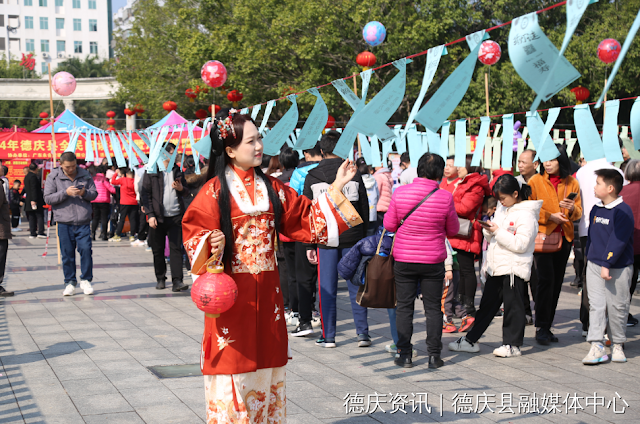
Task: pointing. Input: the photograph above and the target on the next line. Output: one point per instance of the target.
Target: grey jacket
(67, 209)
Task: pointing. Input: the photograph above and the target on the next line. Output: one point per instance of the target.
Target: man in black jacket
(34, 202)
(327, 258)
(162, 198)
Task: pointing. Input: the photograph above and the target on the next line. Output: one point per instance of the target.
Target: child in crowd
(609, 252)
(511, 236)
(128, 204)
(15, 205)
(450, 304)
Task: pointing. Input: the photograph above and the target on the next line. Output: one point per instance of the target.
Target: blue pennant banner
(610, 132)
(73, 140)
(450, 93)
(347, 94)
(539, 133)
(254, 111)
(316, 122)
(433, 142)
(507, 141)
(280, 132)
(460, 150)
(444, 140)
(375, 152)
(244, 111)
(587, 133)
(117, 150)
(349, 134)
(265, 118)
(414, 140)
(485, 124)
(105, 148)
(365, 146)
(635, 123)
(88, 146)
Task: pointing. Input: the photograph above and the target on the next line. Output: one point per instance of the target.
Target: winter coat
(127, 189)
(5, 218)
(373, 195)
(300, 174)
(543, 189)
(33, 191)
(385, 188)
(367, 247)
(631, 196)
(421, 238)
(152, 193)
(317, 183)
(70, 210)
(16, 199)
(105, 189)
(511, 247)
(468, 197)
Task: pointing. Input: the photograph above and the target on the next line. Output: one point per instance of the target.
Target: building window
(45, 68)
(28, 22)
(77, 24)
(44, 46)
(1, 18)
(60, 46)
(93, 47)
(93, 25)
(43, 3)
(76, 4)
(31, 45)
(77, 46)
(28, 2)
(44, 22)
(92, 4)
(59, 23)
(59, 3)
(2, 45)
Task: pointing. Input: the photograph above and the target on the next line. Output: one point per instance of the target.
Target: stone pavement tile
(47, 329)
(24, 358)
(126, 380)
(118, 418)
(77, 372)
(300, 390)
(89, 387)
(304, 418)
(176, 413)
(176, 384)
(104, 403)
(107, 354)
(10, 412)
(366, 419)
(158, 395)
(324, 407)
(193, 398)
(49, 402)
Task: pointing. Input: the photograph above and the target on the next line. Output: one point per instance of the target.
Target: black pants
(429, 277)
(100, 215)
(306, 281)
(551, 268)
(143, 227)
(289, 254)
(132, 212)
(584, 303)
(497, 290)
(36, 222)
(15, 217)
(4, 247)
(170, 227)
(283, 273)
(468, 281)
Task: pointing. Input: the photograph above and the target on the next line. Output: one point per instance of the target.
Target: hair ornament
(225, 126)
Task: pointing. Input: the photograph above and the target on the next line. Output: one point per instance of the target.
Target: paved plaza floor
(85, 359)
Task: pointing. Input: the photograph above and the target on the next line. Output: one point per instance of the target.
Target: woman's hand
(216, 239)
(568, 204)
(492, 228)
(346, 172)
(558, 218)
(448, 276)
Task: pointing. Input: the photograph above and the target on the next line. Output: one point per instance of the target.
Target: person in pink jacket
(385, 187)
(419, 252)
(102, 203)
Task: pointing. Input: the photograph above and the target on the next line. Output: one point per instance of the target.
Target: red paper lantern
(609, 50)
(489, 53)
(44, 115)
(581, 94)
(190, 94)
(139, 109)
(111, 114)
(201, 114)
(129, 112)
(43, 122)
(366, 59)
(234, 97)
(213, 73)
(217, 109)
(330, 122)
(169, 106)
(214, 292)
(111, 122)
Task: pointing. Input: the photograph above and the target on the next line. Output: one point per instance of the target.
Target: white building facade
(123, 19)
(55, 30)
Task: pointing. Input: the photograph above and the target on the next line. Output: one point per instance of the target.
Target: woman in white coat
(511, 236)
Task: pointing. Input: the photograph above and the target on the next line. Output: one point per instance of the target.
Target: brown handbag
(551, 243)
(379, 289)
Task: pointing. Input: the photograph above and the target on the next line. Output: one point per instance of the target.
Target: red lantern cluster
(201, 114)
(235, 97)
(581, 94)
(169, 106)
(331, 122)
(111, 122)
(489, 53)
(217, 109)
(214, 292)
(44, 115)
(43, 122)
(609, 50)
(139, 110)
(191, 95)
(111, 114)
(366, 60)
(129, 112)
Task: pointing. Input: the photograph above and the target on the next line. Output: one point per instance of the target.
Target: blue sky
(117, 4)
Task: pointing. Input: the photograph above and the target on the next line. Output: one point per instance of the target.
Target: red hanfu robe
(252, 335)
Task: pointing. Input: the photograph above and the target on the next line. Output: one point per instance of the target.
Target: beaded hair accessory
(225, 126)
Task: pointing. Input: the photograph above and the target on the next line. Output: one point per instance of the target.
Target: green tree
(23, 114)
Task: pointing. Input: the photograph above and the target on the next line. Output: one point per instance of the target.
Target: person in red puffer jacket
(128, 203)
(468, 196)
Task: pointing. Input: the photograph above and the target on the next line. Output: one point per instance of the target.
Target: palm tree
(90, 67)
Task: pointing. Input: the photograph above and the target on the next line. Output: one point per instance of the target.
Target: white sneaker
(86, 286)
(507, 351)
(617, 353)
(69, 290)
(464, 345)
(596, 355)
(137, 243)
(294, 318)
(16, 229)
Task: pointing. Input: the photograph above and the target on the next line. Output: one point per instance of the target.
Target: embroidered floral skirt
(249, 398)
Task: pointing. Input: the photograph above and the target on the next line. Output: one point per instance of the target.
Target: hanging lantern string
(423, 52)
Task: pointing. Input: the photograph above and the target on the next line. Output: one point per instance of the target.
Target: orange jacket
(542, 189)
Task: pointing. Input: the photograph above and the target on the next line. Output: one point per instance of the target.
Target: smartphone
(572, 196)
(484, 224)
(80, 185)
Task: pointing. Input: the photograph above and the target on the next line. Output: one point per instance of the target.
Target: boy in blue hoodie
(609, 251)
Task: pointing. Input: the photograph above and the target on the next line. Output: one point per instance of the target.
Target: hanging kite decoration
(609, 50)
(214, 74)
(63, 83)
(374, 33)
(489, 53)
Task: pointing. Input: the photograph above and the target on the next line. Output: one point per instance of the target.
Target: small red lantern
(366, 60)
(44, 115)
(201, 114)
(43, 122)
(331, 122)
(609, 50)
(581, 94)
(234, 97)
(129, 112)
(111, 122)
(169, 106)
(217, 109)
(139, 110)
(190, 94)
(111, 114)
(214, 292)
(489, 53)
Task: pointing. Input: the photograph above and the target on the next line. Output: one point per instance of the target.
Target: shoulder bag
(466, 225)
(379, 290)
(550, 243)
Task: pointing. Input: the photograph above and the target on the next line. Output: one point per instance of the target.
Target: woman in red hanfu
(238, 214)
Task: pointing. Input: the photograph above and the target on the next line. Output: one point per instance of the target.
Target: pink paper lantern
(214, 74)
(489, 53)
(214, 292)
(63, 83)
(609, 50)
